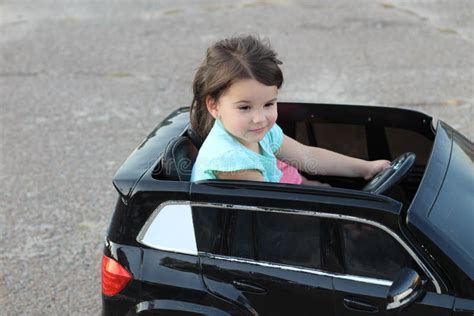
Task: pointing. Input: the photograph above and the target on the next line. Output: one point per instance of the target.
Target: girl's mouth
(258, 130)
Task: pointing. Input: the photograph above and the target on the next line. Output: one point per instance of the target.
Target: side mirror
(405, 289)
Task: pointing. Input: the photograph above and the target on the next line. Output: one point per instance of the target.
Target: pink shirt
(289, 173)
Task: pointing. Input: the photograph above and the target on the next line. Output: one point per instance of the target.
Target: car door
(268, 261)
(371, 258)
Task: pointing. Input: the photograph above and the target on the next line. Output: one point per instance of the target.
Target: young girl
(235, 110)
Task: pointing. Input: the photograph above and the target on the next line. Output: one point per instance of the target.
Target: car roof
(148, 153)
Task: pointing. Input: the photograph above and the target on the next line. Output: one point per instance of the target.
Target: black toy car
(401, 244)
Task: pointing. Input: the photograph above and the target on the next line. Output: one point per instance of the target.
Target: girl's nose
(258, 117)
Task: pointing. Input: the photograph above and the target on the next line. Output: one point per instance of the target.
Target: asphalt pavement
(83, 82)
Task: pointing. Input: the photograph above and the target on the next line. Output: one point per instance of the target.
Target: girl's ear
(211, 105)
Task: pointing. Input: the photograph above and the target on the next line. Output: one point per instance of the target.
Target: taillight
(114, 276)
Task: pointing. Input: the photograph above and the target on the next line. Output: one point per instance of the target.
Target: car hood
(443, 208)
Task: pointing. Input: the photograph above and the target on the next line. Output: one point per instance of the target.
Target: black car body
(246, 248)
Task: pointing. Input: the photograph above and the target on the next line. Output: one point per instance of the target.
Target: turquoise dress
(223, 152)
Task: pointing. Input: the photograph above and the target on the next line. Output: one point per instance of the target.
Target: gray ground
(83, 82)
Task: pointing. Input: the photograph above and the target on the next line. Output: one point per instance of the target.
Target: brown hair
(226, 61)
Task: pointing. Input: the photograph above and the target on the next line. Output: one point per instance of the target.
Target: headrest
(178, 159)
(195, 137)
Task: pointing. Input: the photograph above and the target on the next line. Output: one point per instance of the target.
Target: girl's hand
(375, 167)
(305, 181)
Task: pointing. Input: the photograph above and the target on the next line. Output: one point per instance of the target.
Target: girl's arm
(251, 175)
(319, 161)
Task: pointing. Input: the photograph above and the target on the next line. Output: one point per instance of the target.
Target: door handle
(354, 304)
(248, 287)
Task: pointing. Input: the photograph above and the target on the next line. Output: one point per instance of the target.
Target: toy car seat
(195, 137)
(178, 159)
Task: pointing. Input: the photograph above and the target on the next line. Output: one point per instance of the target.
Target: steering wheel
(387, 178)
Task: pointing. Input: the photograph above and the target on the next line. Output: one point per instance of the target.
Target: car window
(398, 144)
(242, 244)
(346, 139)
(369, 251)
(209, 227)
(288, 239)
(223, 231)
(170, 228)
(258, 235)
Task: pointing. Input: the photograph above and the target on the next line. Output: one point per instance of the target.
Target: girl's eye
(244, 107)
(270, 104)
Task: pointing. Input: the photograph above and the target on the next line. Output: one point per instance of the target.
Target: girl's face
(247, 109)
